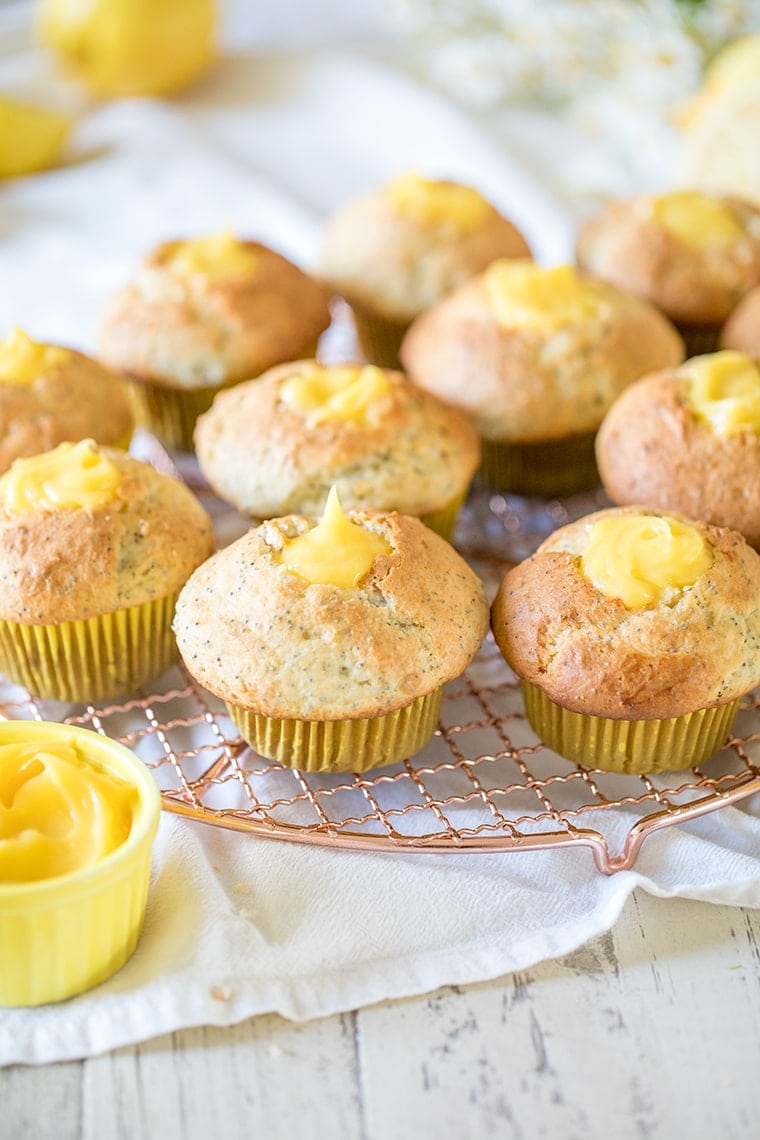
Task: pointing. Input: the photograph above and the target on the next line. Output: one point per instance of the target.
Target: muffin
(536, 357)
(395, 251)
(78, 814)
(635, 634)
(50, 394)
(94, 546)
(330, 641)
(274, 446)
(692, 254)
(742, 329)
(688, 440)
(204, 314)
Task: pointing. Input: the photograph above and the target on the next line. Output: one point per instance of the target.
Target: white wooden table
(650, 1031)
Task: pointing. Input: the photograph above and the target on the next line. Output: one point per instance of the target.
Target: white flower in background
(616, 69)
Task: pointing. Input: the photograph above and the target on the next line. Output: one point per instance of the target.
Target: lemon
(130, 47)
(31, 137)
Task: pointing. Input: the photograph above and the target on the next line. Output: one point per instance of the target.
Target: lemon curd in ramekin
(78, 814)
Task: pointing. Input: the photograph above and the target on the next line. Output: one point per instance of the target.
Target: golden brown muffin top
(262, 637)
(532, 383)
(692, 281)
(70, 564)
(70, 397)
(396, 253)
(696, 648)
(654, 447)
(408, 451)
(193, 329)
(742, 329)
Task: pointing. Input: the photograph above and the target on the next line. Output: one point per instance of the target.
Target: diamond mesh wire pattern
(484, 783)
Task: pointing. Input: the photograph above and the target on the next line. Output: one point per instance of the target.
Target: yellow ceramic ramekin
(64, 934)
(341, 745)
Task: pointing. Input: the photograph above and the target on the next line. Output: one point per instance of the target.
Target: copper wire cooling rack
(485, 783)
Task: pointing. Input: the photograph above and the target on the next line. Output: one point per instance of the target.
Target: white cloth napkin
(238, 925)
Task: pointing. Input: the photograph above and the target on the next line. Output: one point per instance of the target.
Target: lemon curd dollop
(336, 552)
(723, 390)
(697, 220)
(644, 559)
(522, 294)
(220, 255)
(342, 392)
(430, 201)
(58, 811)
(70, 477)
(22, 359)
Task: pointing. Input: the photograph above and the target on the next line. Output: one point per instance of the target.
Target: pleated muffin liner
(92, 659)
(559, 467)
(699, 339)
(629, 746)
(62, 935)
(379, 337)
(341, 745)
(444, 519)
(170, 413)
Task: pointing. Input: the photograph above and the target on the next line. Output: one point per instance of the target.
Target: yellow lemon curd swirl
(336, 551)
(521, 294)
(58, 812)
(643, 559)
(697, 220)
(339, 393)
(723, 390)
(71, 476)
(22, 359)
(220, 255)
(430, 202)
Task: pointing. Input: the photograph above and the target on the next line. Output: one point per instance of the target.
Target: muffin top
(536, 354)
(49, 394)
(694, 255)
(276, 445)
(377, 612)
(688, 440)
(88, 530)
(212, 311)
(742, 329)
(632, 613)
(399, 248)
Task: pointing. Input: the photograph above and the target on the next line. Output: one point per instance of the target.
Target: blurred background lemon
(720, 144)
(130, 47)
(31, 137)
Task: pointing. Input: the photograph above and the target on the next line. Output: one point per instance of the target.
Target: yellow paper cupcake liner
(61, 936)
(633, 746)
(170, 413)
(562, 467)
(444, 519)
(341, 745)
(379, 337)
(94, 659)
